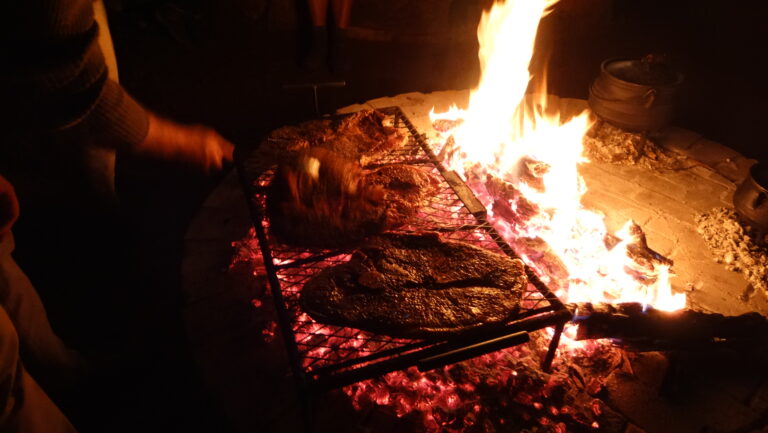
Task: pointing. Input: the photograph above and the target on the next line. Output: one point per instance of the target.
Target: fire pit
(521, 158)
(327, 357)
(664, 203)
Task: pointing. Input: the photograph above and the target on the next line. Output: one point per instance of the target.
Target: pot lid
(649, 71)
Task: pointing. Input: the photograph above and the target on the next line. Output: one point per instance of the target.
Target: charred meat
(417, 286)
(360, 137)
(406, 189)
(320, 200)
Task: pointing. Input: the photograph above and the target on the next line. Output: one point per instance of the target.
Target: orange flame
(503, 127)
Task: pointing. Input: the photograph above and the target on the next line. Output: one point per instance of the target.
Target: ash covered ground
(735, 244)
(607, 143)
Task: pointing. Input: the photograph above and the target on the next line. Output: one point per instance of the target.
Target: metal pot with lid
(751, 198)
(635, 94)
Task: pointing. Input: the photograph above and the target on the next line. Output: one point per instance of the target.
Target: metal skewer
(314, 87)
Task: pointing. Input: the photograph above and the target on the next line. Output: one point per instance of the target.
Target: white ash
(735, 244)
(607, 143)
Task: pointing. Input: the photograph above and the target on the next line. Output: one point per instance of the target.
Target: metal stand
(314, 87)
(546, 365)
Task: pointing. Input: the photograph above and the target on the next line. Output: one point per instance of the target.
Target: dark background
(236, 56)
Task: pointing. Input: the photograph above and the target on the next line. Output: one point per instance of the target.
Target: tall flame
(503, 129)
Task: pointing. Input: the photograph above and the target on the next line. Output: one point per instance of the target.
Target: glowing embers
(504, 390)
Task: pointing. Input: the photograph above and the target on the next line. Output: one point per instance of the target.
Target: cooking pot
(635, 95)
(751, 198)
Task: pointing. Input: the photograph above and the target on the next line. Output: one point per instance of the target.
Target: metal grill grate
(331, 356)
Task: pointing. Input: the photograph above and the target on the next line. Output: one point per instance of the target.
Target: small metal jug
(751, 198)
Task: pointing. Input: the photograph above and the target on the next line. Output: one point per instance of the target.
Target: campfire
(521, 161)
(520, 158)
(510, 161)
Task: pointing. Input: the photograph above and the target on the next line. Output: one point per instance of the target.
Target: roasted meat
(417, 286)
(406, 189)
(320, 200)
(362, 136)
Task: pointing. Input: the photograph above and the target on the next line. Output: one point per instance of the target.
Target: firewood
(636, 325)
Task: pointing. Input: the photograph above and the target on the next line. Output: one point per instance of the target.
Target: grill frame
(454, 212)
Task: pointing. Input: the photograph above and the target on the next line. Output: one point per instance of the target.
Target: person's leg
(24, 407)
(318, 45)
(342, 10)
(43, 350)
(318, 10)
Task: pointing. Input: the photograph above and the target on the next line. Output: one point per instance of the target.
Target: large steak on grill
(417, 285)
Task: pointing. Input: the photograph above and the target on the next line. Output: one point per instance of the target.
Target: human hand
(198, 145)
(9, 206)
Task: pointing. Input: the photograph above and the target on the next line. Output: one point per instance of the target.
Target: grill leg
(546, 365)
(307, 412)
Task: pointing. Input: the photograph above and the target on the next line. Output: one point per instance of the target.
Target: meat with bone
(417, 285)
(321, 200)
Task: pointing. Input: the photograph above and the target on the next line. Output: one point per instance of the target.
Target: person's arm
(194, 144)
(9, 206)
(54, 77)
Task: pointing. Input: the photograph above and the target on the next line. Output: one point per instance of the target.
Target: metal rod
(472, 351)
(348, 377)
(546, 365)
(307, 260)
(314, 87)
(283, 320)
(372, 357)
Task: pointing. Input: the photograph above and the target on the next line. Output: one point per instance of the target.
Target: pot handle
(757, 201)
(649, 97)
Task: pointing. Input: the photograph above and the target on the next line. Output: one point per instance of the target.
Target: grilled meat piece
(417, 286)
(362, 136)
(320, 200)
(406, 189)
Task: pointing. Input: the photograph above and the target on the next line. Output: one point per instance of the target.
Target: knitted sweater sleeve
(54, 75)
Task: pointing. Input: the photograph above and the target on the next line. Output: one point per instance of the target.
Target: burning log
(639, 251)
(646, 327)
(546, 259)
(532, 172)
(509, 202)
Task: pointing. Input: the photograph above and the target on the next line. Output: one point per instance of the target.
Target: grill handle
(471, 351)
